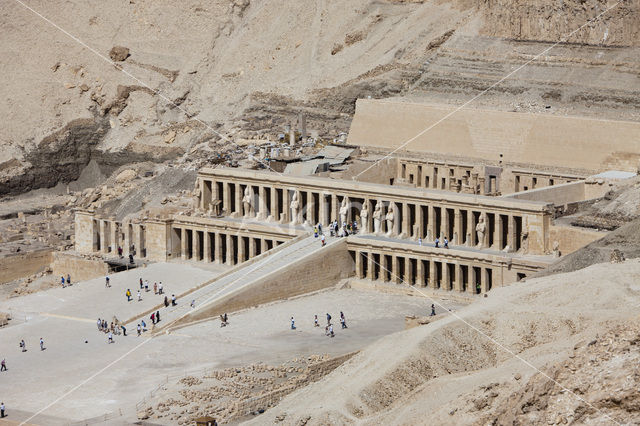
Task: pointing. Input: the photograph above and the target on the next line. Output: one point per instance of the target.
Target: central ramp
(297, 267)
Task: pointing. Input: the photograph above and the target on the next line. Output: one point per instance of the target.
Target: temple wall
(545, 140)
(21, 265)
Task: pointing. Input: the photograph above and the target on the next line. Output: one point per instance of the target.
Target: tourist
(68, 279)
(319, 227)
(104, 325)
(120, 252)
(437, 242)
(130, 258)
(2, 409)
(315, 321)
(41, 344)
(293, 324)
(226, 319)
(3, 365)
(155, 288)
(222, 323)
(62, 281)
(433, 310)
(446, 243)
(166, 301)
(193, 303)
(139, 330)
(99, 324)
(146, 286)
(128, 294)
(173, 300)
(153, 318)
(160, 288)
(106, 282)
(144, 325)
(322, 240)
(110, 337)
(157, 316)
(343, 320)
(139, 296)
(140, 282)
(23, 346)
(328, 319)
(331, 331)
(315, 231)
(124, 330)
(419, 241)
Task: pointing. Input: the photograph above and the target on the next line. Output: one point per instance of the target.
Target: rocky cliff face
(158, 80)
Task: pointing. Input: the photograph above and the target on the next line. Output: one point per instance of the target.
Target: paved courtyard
(79, 376)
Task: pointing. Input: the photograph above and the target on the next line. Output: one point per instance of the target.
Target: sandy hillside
(579, 328)
(247, 67)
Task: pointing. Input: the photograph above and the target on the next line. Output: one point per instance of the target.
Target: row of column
(218, 247)
(109, 235)
(407, 220)
(453, 178)
(526, 182)
(420, 272)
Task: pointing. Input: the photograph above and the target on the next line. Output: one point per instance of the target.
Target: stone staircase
(241, 276)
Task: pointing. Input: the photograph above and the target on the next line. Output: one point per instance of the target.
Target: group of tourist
(436, 243)
(65, 282)
(328, 330)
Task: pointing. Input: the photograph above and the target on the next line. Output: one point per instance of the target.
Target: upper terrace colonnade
(473, 220)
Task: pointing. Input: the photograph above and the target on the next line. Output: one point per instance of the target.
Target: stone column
(335, 208)
(408, 271)
(471, 228)
(483, 280)
(384, 267)
(274, 214)
(396, 219)
(206, 246)
(238, 202)
(230, 250)
(497, 235)
(457, 228)
(457, 283)
(406, 222)
(432, 274)
(252, 247)
(104, 236)
(205, 198)
(127, 239)
(446, 284)
(359, 273)
(444, 223)
(432, 223)
(370, 267)
(471, 280)
(226, 198)
(285, 216)
(114, 237)
(195, 244)
(262, 195)
(218, 249)
(183, 243)
(263, 245)
(311, 220)
(419, 273)
(140, 241)
(482, 185)
(511, 234)
(395, 273)
(241, 252)
(322, 209)
(419, 220)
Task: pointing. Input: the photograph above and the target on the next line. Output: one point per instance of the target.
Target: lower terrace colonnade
(464, 219)
(110, 237)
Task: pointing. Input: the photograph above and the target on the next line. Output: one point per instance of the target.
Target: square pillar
(406, 222)
(285, 217)
(335, 208)
(384, 268)
(241, 252)
(104, 236)
(483, 280)
(408, 271)
(471, 279)
(127, 239)
(262, 203)
(206, 246)
(238, 202)
(218, 248)
(274, 214)
(511, 233)
(419, 273)
(252, 247)
(432, 274)
(431, 226)
(446, 284)
(370, 267)
(114, 237)
(195, 245)
(471, 228)
(395, 278)
(419, 223)
(457, 281)
(230, 250)
(183, 243)
(226, 198)
(311, 220)
(444, 223)
(457, 237)
(359, 273)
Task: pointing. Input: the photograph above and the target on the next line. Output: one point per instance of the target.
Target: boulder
(126, 176)
(119, 53)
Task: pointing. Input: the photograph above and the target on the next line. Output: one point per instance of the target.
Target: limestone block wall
(22, 265)
(321, 269)
(571, 239)
(157, 241)
(78, 267)
(560, 194)
(84, 231)
(541, 139)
